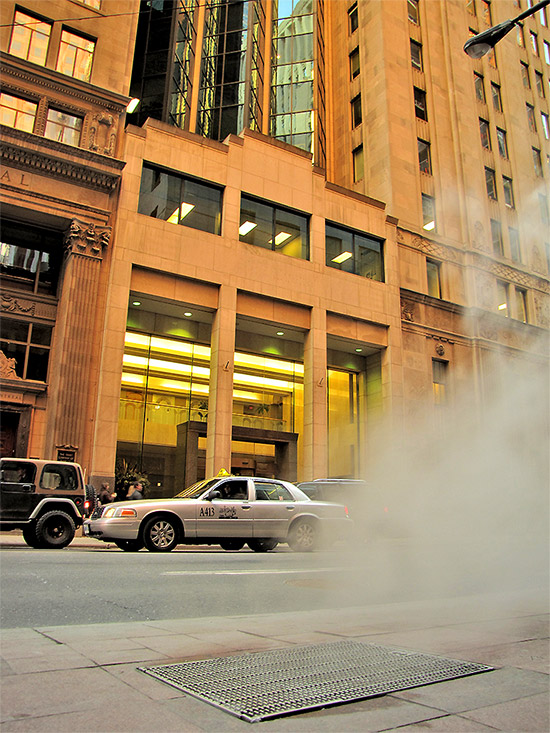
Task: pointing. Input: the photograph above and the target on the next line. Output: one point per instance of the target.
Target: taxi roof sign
(222, 472)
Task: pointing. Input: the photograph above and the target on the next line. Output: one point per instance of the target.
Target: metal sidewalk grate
(262, 685)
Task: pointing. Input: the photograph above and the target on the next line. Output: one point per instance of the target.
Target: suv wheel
(29, 535)
(55, 529)
(160, 535)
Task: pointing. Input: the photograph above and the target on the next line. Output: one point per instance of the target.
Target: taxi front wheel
(160, 535)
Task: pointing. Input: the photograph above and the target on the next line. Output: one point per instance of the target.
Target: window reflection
(354, 252)
(180, 200)
(274, 228)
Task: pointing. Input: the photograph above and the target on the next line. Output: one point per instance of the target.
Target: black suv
(45, 499)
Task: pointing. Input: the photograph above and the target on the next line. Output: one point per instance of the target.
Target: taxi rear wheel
(160, 534)
(303, 536)
(232, 544)
(263, 545)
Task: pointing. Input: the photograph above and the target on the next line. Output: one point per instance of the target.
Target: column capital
(86, 239)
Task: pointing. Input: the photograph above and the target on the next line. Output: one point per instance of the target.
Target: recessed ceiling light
(280, 333)
(246, 227)
(358, 350)
(188, 314)
(136, 302)
(342, 257)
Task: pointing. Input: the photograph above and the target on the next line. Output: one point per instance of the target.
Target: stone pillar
(220, 401)
(315, 398)
(73, 373)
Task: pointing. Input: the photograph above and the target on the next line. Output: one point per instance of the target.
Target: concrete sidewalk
(85, 678)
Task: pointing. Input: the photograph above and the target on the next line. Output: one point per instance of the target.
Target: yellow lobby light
(246, 227)
(342, 257)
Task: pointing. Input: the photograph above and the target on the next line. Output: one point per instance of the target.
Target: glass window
(30, 38)
(17, 112)
(513, 236)
(353, 18)
(28, 353)
(546, 46)
(433, 270)
(496, 235)
(180, 200)
(75, 56)
(266, 491)
(30, 257)
(539, 82)
(356, 114)
(502, 298)
(508, 192)
(479, 88)
(93, 3)
(439, 380)
(471, 7)
(520, 36)
(424, 156)
(354, 64)
(534, 42)
(420, 109)
(412, 9)
(428, 213)
(416, 55)
(521, 305)
(63, 127)
(525, 75)
(358, 164)
(280, 230)
(545, 125)
(531, 117)
(490, 184)
(495, 96)
(502, 143)
(485, 136)
(537, 162)
(354, 252)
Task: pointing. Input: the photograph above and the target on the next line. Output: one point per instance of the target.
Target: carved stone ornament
(7, 367)
(103, 134)
(9, 304)
(440, 350)
(86, 239)
(407, 311)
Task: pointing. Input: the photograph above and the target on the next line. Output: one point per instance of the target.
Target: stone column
(315, 398)
(220, 401)
(73, 373)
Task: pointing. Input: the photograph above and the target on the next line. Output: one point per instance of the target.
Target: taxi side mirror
(214, 495)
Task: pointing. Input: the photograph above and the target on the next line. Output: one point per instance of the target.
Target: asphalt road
(101, 584)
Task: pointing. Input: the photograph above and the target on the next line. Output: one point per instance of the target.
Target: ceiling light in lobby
(183, 210)
(132, 105)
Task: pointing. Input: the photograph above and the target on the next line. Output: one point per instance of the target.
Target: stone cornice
(24, 71)
(92, 171)
(510, 273)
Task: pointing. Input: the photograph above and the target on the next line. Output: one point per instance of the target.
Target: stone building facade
(314, 224)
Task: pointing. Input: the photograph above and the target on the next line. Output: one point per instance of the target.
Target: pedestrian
(105, 496)
(135, 491)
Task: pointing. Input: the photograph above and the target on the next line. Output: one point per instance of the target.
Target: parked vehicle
(45, 499)
(227, 510)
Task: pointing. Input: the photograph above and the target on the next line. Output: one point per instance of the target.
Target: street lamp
(480, 44)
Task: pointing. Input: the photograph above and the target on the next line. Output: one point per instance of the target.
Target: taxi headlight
(120, 511)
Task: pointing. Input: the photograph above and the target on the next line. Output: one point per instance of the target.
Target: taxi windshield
(192, 492)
